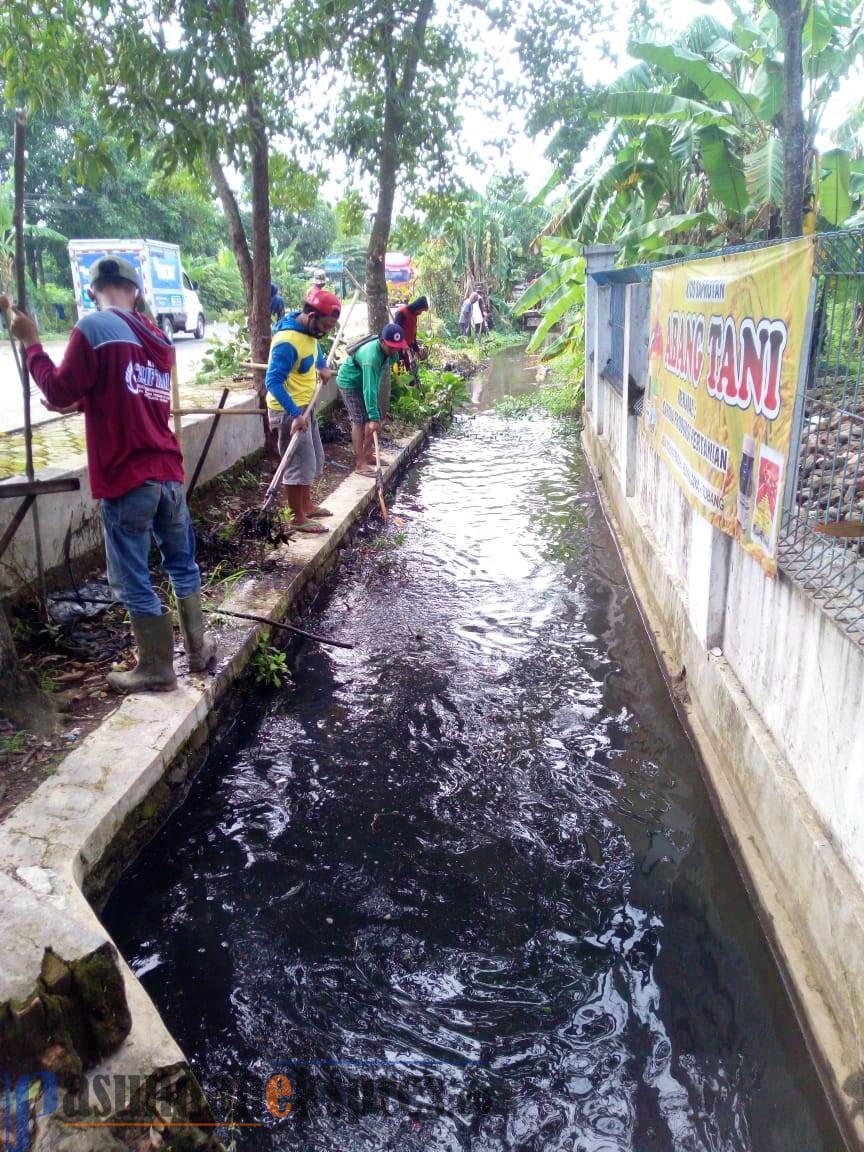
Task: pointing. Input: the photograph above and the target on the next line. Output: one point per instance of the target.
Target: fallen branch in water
(276, 624)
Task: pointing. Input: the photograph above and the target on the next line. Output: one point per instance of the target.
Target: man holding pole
(117, 369)
(295, 363)
(359, 381)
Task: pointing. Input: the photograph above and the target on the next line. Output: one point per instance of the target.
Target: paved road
(190, 353)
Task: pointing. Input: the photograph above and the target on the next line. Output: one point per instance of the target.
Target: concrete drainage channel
(69, 1004)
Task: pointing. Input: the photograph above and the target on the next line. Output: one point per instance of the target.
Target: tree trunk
(30, 250)
(396, 108)
(791, 17)
(376, 282)
(18, 210)
(236, 231)
(259, 320)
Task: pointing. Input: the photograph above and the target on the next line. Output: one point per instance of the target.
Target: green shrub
(226, 357)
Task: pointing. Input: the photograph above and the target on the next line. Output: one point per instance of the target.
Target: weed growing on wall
(269, 664)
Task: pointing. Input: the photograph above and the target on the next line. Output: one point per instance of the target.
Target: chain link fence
(826, 462)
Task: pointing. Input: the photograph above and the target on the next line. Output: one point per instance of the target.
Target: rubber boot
(200, 645)
(154, 672)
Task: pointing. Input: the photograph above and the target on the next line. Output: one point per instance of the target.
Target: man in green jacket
(359, 380)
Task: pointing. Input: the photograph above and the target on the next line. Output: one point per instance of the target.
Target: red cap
(324, 302)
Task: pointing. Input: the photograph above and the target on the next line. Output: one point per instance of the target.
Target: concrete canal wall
(772, 688)
(71, 519)
(68, 1001)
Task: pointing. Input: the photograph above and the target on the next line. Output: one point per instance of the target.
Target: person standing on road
(117, 369)
(295, 363)
(359, 381)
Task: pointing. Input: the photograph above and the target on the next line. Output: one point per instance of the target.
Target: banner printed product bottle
(745, 483)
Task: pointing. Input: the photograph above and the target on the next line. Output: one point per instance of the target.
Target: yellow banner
(727, 337)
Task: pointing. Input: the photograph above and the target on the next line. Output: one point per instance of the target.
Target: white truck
(169, 292)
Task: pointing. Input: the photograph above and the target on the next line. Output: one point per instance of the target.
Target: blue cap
(393, 336)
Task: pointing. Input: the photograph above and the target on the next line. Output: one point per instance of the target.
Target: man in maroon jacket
(117, 370)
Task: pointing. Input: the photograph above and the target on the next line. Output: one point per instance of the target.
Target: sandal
(366, 470)
(311, 527)
(321, 511)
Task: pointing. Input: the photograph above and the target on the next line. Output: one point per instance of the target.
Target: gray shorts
(307, 463)
(353, 400)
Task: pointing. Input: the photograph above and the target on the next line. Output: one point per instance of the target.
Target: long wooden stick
(379, 479)
(175, 400)
(31, 484)
(277, 624)
(841, 529)
(216, 412)
(214, 425)
(18, 488)
(16, 522)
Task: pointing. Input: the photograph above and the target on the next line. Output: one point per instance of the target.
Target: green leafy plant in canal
(14, 743)
(269, 664)
(434, 397)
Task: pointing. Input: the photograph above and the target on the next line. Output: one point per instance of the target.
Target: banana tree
(561, 290)
(692, 153)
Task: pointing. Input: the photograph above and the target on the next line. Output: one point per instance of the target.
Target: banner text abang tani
(727, 338)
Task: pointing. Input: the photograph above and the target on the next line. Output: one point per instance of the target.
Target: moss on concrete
(76, 1015)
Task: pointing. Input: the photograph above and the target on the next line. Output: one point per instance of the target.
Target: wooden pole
(175, 401)
(194, 481)
(216, 412)
(19, 161)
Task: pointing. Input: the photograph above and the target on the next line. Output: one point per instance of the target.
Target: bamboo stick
(175, 401)
(216, 412)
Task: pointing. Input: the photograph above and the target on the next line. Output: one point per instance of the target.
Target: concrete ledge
(75, 515)
(804, 892)
(67, 838)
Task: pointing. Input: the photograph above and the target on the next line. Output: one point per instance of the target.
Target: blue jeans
(157, 509)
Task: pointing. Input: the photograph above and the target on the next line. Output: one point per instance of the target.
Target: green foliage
(464, 238)
(309, 233)
(13, 743)
(219, 283)
(433, 398)
(564, 397)
(693, 156)
(225, 358)
(269, 664)
(351, 215)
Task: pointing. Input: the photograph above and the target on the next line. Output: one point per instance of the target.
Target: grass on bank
(563, 396)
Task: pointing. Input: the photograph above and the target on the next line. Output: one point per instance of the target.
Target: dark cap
(393, 336)
(114, 267)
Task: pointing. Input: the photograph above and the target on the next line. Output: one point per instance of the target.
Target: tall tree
(216, 97)
(792, 15)
(398, 112)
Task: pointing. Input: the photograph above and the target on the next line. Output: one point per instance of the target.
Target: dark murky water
(463, 884)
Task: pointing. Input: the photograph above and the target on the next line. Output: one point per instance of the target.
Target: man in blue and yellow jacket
(295, 363)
